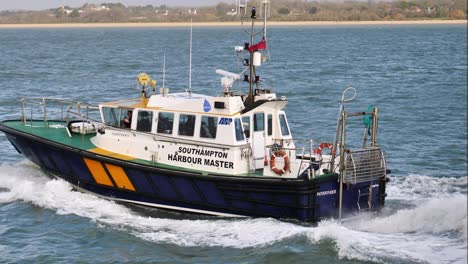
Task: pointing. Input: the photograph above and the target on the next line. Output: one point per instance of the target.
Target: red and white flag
(262, 45)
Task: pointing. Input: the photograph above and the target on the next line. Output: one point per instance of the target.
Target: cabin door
(258, 140)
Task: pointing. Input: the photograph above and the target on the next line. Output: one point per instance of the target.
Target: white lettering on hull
(203, 152)
(206, 160)
(324, 193)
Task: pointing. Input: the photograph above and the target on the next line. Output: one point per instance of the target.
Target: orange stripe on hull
(98, 172)
(110, 154)
(120, 177)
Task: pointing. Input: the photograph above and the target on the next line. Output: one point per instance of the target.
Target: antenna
(163, 90)
(266, 13)
(241, 8)
(164, 70)
(190, 61)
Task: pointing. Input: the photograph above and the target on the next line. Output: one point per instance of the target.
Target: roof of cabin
(185, 102)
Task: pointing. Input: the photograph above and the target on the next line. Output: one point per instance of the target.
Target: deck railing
(55, 109)
(305, 151)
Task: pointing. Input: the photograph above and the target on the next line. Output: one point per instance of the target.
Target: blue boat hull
(301, 199)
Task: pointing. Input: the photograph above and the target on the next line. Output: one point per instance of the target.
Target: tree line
(281, 10)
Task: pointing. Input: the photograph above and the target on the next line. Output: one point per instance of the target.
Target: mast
(265, 14)
(250, 98)
(164, 71)
(190, 61)
(253, 48)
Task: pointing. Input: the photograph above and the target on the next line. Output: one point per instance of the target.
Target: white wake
(432, 228)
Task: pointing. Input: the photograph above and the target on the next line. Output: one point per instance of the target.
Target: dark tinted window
(259, 122)
(145, 121)
(165, 123)
(186, 125)
(284, 125)
(270, 125)
(238, 127)
(208, 127)
(246, 123)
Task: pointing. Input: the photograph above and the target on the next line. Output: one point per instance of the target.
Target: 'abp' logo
(225, 121)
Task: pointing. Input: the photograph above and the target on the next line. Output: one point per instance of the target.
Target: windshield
(238, 127)
(284, 125)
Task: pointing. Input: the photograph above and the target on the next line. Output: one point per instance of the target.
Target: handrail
(54, 109)
(51, 99)
(304, 155)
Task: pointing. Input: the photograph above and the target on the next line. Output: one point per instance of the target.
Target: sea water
(416, 75)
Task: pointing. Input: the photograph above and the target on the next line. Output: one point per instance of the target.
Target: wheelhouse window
(208, 127)
(165, 123)
(238, 127)
(186, 125)
(246, 123)
(270, 124)
(259, 122)
(284, 125)
(144, 121)
(127, 118)
(111, 116)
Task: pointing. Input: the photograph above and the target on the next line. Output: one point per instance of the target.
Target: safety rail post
(374, 126)
(354, 168)
(44, 108)
(302, 160)
(311, 165)
(338, 129)
(364, 137)
(31, 116)
(342, 167)
(61, 112)
(311, 144)
(23, 113)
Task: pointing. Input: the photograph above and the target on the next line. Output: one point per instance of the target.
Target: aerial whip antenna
(190, 60)
(164, 70)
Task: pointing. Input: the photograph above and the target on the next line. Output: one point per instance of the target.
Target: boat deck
(55, 131)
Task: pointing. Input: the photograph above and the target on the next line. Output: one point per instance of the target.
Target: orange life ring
(324, 145)
(286, 162)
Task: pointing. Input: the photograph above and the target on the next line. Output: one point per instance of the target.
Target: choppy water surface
(417, 75)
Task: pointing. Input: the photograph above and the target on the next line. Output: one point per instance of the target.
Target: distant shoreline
(232, 24)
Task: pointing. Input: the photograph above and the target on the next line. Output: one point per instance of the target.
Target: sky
(46, 4)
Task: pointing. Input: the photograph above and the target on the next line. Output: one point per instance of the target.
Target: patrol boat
(227, 155)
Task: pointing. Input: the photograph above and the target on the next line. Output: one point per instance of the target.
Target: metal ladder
(369, 198)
